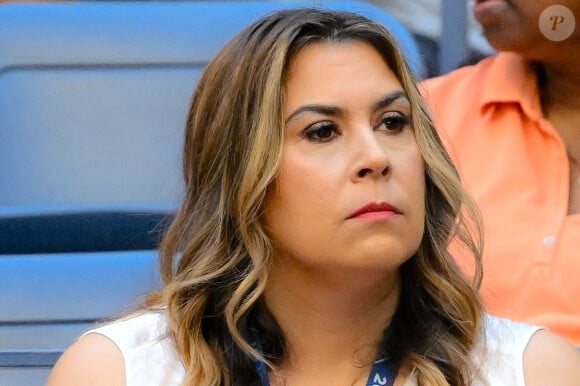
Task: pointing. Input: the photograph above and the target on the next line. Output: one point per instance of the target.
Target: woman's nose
(371, 158)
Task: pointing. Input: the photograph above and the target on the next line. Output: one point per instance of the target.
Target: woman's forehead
(338, 74)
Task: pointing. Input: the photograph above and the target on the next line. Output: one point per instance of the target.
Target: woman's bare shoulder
(551, 360)
(93, 360)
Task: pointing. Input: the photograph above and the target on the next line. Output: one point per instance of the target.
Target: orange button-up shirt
(512, 160)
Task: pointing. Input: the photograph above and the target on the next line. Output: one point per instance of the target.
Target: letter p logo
(557, 23)
(556, 20)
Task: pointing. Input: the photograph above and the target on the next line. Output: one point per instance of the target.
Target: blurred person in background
(424, 19)
(512, 125)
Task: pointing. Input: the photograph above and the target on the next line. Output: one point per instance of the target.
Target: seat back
(94, 96)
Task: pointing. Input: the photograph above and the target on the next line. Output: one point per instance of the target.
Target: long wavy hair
(215, 256)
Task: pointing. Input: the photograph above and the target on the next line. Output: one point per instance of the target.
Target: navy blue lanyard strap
(381, 374)
(263, 372)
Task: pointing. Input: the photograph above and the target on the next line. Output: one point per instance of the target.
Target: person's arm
(92, 361)
(551, 360)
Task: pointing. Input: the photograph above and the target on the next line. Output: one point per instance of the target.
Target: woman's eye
(394, 122)
(321, 132)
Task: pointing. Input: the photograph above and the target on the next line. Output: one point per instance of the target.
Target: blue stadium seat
(93, 100)
(93, 95)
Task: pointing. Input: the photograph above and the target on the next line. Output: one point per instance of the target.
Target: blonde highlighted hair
(215, 257)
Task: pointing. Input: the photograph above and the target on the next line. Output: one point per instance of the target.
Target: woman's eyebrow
(315, 108)
(389, 99)
(337, 111)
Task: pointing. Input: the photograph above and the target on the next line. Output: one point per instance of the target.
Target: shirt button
(549, 240)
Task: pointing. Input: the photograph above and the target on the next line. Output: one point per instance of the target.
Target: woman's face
(351, 190)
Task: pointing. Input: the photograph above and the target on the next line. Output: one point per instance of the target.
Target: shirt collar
(512, 79)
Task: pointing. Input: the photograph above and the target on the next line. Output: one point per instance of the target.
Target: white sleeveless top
(151, 358)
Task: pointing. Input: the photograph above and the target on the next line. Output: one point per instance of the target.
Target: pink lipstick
(376, 211)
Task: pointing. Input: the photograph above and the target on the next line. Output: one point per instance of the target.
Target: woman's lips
(382, 215)
(376, 211)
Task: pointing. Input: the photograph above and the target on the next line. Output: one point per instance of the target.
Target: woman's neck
(333, 324)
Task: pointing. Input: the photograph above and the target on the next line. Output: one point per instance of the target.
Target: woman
(311, 246)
